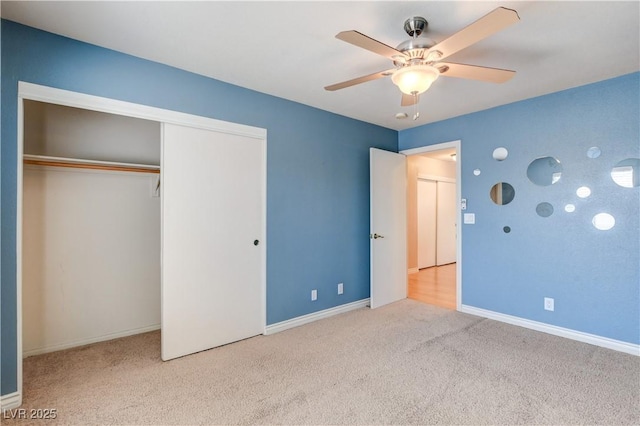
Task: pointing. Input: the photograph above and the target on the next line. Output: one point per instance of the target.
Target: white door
(426, 223)
(446, 223)
(213, 239)
(388, 173)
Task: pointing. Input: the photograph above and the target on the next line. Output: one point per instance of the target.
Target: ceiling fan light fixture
(415, 79)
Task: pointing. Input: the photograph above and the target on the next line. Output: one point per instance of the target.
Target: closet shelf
(44, 160)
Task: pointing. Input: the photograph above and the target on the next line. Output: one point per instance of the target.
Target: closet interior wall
(91, 237)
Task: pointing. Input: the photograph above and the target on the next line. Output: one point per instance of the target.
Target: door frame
(437, 147)
(36, 92)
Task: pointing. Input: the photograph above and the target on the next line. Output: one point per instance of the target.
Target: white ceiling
(288, 49)
(441, 154)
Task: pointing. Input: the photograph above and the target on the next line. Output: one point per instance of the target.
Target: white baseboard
(413, 270)
(605, 342)
(10, 401)
(305, 319)
(68, 345)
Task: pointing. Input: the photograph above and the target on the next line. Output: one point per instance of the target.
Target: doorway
(433, 240)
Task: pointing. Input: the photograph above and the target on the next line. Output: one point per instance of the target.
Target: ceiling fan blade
(408, 100)
(366, 42)
(359, 80)
(475, 72)
(489, 24)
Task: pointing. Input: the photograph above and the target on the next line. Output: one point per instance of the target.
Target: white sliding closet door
(446, 223)
(426, 223)
(213, 236)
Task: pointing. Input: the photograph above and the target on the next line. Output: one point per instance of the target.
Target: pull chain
(416, 113)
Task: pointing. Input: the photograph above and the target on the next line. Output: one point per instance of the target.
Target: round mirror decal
(476, 172)
(544, 171)
(627, 173)
(544, 209)
(603, 221)
(583, 192)
(570, 208)
(500, 154)
(502, 193)
(593, 152)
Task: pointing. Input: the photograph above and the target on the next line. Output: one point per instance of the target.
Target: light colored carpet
(406, 363)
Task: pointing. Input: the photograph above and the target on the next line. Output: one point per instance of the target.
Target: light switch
(470, 218)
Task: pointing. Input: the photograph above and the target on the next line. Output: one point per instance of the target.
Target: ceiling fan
(417, 62)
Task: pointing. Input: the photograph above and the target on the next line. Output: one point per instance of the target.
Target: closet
(436, 223)
(91, 227)
(136, 220)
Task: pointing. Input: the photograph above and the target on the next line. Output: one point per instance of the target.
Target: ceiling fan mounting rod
(414, 26)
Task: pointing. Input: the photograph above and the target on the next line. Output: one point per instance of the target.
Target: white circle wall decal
(583, 192)
(603, 221)
(499, 154)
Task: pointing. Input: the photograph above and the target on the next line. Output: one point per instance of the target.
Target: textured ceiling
(288, 49)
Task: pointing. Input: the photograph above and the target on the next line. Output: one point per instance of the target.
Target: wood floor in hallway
(435, 286)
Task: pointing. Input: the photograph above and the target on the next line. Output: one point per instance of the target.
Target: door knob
(376, 236)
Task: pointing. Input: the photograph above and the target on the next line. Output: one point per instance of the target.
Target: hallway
(435, 285)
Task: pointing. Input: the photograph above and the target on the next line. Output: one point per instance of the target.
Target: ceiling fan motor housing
(414, 50)
(415, 26)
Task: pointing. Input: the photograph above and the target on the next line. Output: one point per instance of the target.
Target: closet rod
(40, 160)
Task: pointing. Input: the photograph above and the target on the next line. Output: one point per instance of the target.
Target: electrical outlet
(548, 304)
(314, 295)
(340, 288)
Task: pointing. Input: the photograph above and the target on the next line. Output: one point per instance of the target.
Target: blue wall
(317, 168)
(593, 275)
